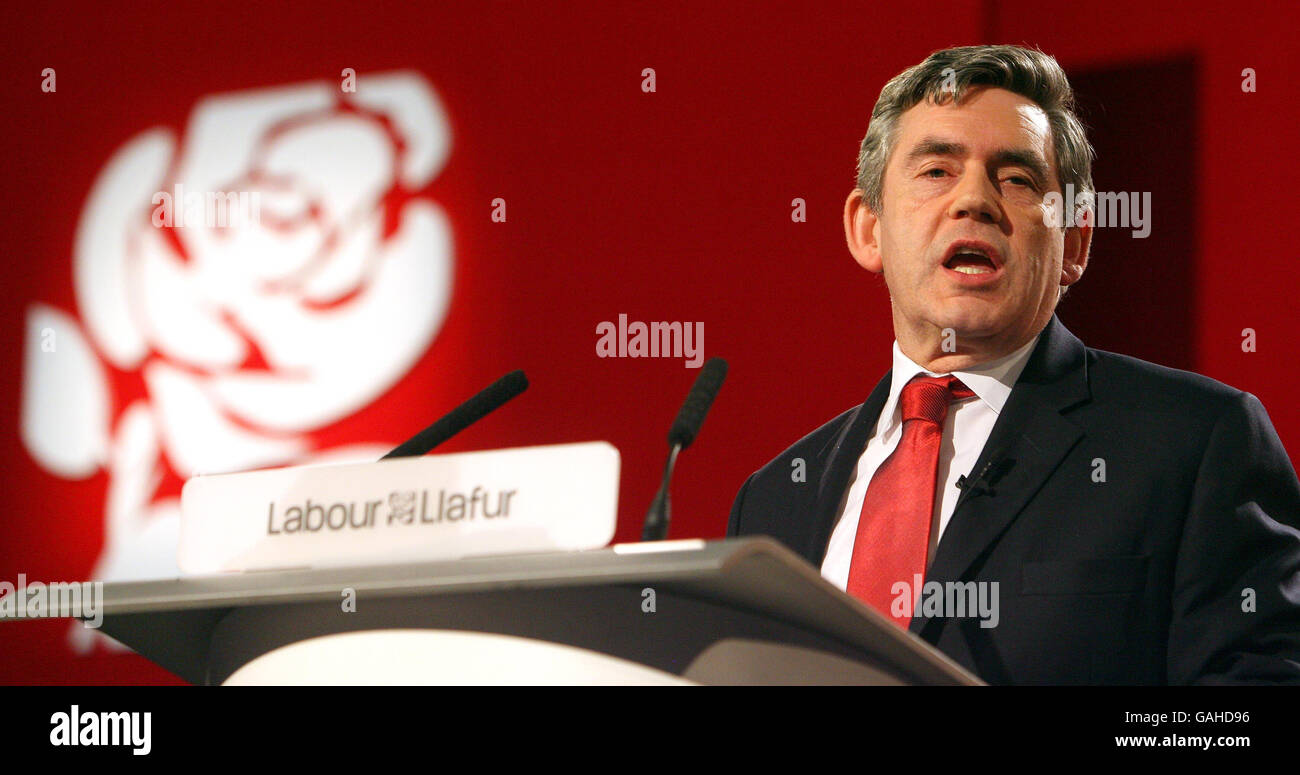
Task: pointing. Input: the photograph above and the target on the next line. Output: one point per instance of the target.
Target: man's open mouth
(971, 257)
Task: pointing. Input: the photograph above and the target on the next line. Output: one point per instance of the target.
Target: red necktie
(893, 538)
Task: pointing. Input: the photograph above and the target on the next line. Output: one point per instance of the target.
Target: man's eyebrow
(933, 146)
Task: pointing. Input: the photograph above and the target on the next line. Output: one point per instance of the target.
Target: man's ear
(862, 230)
(1078, 239)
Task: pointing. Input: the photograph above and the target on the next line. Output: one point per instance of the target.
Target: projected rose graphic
(248, 333)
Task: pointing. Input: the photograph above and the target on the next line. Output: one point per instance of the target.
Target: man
(1129, 523)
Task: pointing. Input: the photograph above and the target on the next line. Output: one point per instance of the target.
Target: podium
(731, 612)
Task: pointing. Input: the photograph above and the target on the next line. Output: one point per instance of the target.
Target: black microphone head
(697, 403)
(510, 385)
(488, 399)
(483, 403)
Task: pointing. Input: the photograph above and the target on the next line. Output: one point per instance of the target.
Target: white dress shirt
(965, 431)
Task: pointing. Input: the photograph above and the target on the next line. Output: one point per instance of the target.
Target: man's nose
(975, 197)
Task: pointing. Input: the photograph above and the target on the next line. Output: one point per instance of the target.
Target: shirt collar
(991, 381)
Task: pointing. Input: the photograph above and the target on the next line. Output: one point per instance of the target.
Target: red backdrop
(673, 205)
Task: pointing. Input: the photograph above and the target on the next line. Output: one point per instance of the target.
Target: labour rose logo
(252, 326)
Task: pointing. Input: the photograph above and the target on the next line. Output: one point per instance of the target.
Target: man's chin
(973, 319)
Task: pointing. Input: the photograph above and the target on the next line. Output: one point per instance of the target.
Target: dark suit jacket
(1183, 566)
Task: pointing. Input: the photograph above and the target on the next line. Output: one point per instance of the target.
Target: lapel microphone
(983, 481)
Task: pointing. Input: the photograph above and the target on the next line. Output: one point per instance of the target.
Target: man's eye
(928, 173)
(1021, 180)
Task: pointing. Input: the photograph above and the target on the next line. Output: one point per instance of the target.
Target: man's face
(961, 238)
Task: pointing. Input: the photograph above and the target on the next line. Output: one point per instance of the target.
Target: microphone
(983, 481)
(486, 401)
(680, 436)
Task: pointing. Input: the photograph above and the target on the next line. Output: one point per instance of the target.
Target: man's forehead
(987, 119)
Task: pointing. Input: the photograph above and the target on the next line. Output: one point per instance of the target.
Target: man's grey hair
(950, 74)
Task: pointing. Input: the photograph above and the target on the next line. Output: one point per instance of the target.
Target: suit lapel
(845, 450)
(1028, 442)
